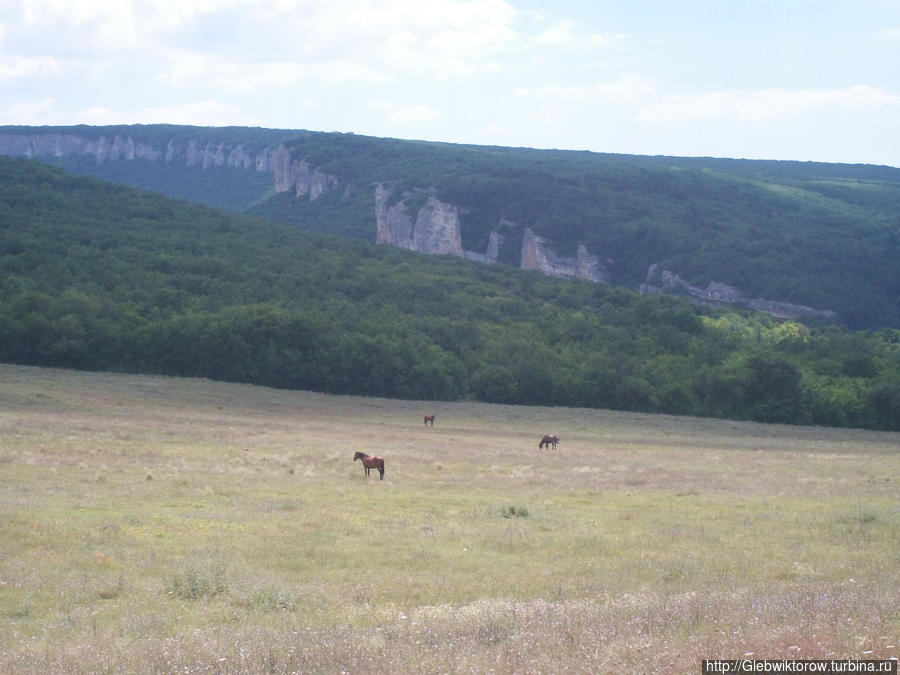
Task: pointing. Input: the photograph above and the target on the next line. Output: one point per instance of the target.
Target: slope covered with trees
(97, 276)
(825, 236)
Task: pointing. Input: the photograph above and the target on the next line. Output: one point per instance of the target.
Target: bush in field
(198, 583)
(514, 512)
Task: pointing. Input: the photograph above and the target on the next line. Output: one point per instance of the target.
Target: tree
(885, 400)
(772, 391)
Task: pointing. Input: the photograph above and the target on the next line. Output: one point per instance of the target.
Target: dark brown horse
(548, 440)
(370, 462)
(429, 418)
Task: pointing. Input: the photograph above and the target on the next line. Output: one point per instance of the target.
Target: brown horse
(429, 418)
(548, 440)
(370, 462)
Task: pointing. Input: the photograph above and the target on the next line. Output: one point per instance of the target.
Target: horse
(548, 440)
(429, 418)
(370, 462)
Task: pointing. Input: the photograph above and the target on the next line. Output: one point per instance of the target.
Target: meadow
(163, 525)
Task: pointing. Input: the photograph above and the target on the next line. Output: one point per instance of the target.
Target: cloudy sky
(775, 79)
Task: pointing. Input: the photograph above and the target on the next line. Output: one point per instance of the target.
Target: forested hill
(794, 238)
(98, 276)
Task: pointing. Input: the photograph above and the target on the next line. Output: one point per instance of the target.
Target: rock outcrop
(495, 240)
(393, 223)
(437, 229)
(717, 293)
(298, 175)
(434, 228)
(537, 256)
(60, 145)
(289, 173)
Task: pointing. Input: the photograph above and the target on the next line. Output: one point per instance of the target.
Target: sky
(810, 80)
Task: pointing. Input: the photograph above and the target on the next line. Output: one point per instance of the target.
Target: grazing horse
(429, 418)
(370, 462)
(548, 440)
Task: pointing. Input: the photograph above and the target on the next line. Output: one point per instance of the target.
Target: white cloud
(396, 113)
(14, 67)
(627, 88)
(562, 35)
(335, 40)
(34, 111)
(445, 38)
(414, 114)
(199, 113)
(763, 104)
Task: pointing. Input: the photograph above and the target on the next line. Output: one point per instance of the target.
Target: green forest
(97, 276)
(821, 235)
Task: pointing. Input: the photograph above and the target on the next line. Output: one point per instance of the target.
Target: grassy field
(162, 525)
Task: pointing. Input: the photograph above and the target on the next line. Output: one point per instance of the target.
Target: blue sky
(795, 79)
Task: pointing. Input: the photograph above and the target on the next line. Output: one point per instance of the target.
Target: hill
(799, 240)
(97, 276)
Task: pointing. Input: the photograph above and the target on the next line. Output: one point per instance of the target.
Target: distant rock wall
(434, 229)
(537, 256)
(491, 254)
(298, 175)
(437, 229)
(717, 293)
(289, 174)
(393, 223)
(60, 145)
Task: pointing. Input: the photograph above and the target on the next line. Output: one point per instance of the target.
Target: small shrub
(195, 583)
(514, 512)
(269, 599)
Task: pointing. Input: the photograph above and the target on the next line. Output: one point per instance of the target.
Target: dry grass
(165, 525)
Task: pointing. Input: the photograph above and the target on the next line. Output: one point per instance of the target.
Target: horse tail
(381, 469)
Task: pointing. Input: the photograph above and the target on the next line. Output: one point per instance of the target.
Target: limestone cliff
(288, 173)
(537, 256)
(717, 293)
(492, 252)
(59, 145)
(393, 224)
(434, 229)
(437, 229)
